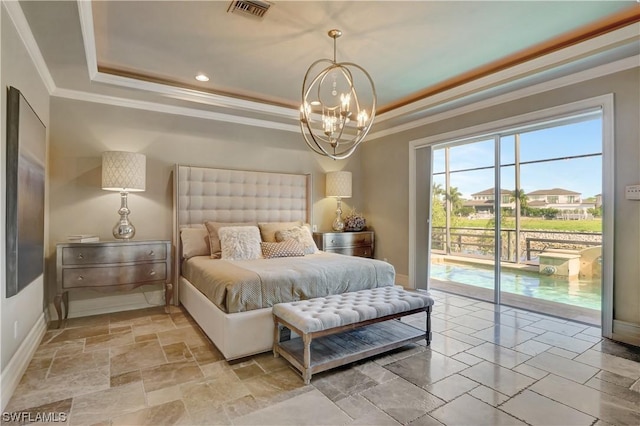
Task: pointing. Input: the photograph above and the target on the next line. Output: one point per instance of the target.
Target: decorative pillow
(288, 248)
(268, 229)
(214, 239)
(300, 234)
(195, 242)
(240, 242)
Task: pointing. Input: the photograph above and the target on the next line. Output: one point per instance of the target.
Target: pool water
(583, 293)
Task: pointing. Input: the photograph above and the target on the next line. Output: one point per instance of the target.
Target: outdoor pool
(583, 293)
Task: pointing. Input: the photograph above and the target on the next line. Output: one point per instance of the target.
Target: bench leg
(306, 373)
(428, 332)
(276, 337)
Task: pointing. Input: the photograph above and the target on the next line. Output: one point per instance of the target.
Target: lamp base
(338, 223)
(124, 230)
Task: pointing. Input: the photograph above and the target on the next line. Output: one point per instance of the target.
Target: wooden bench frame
(305, 365)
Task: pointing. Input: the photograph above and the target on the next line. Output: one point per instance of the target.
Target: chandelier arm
(373, 87)
(317, 148)
(314, 138)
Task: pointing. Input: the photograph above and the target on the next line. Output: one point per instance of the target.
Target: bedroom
(79, 131)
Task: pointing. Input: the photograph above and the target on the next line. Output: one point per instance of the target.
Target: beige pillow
(268, 229)
(240, 242)
(288, 248)
(195, 242)
(214, 239)
(302, 235)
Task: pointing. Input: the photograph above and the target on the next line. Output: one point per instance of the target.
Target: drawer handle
(80, 256)
(333, 241)
(152, 273)
(152, 253)
(80, 278)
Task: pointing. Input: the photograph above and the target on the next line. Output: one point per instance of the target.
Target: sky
(583, 175)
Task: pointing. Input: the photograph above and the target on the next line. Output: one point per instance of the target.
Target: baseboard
(626, 332)
(18, 364)
(111, 303)
(402, 280)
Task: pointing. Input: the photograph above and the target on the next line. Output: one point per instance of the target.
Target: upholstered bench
(344, 328)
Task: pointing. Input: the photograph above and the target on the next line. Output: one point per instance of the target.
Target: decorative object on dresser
(111, 266)
(338, 185)
(354, 221)
(350, 243)
(124, 172)
(333, 115)
(83, 238)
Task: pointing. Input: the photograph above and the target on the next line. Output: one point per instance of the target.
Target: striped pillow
(288, 248)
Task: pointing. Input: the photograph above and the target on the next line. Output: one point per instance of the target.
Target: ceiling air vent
(255, 8)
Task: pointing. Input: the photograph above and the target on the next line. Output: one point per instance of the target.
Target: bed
(231, 299)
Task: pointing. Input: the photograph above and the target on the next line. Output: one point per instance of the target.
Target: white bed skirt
(236, 335)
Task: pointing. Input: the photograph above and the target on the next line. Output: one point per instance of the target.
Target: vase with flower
(354, 221)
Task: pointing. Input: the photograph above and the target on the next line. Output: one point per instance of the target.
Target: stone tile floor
(487, 365)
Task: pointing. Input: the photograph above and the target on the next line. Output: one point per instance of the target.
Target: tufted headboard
(204, 194)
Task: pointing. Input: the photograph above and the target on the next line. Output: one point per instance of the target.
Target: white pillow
(300, 234)
(240, 242)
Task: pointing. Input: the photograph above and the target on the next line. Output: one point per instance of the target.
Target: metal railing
(471, 241)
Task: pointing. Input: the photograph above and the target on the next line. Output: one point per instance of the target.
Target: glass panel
(554, 245)
(562, 141)
(472, 155)
(463, 216)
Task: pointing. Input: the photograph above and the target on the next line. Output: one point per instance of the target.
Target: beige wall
(81, 131)
(385, 163)
(17, 70)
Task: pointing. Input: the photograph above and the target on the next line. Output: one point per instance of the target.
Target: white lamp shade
(338, 184)
(123, 171)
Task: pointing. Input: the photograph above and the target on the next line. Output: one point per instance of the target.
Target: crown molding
(600, 71)
(196, 96)
(24, 31)
(171, 109)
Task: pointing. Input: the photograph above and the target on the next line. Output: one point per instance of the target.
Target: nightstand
(351, 243)
(111, 266)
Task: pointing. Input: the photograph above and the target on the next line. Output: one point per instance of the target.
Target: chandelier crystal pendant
(338, 105)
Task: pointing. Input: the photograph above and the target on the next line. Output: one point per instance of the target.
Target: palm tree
(455, 198)
(521, 198)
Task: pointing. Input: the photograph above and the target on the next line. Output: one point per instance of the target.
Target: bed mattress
(244, 285)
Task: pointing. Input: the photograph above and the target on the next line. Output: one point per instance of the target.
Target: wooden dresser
(111, 266)
(351, 243)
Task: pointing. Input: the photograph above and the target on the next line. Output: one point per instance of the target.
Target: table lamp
(124, 172)
(338, 185)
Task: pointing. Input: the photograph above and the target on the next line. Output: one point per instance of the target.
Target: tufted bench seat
(348, 327)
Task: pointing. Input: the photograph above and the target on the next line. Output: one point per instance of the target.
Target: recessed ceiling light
(202, 77)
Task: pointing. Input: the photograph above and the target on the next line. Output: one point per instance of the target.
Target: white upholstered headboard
(204, 194)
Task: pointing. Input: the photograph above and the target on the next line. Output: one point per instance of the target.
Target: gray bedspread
(243, 285)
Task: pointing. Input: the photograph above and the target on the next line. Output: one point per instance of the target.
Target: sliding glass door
(528, 234)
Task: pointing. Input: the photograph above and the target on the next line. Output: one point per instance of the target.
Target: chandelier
(338, 105)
